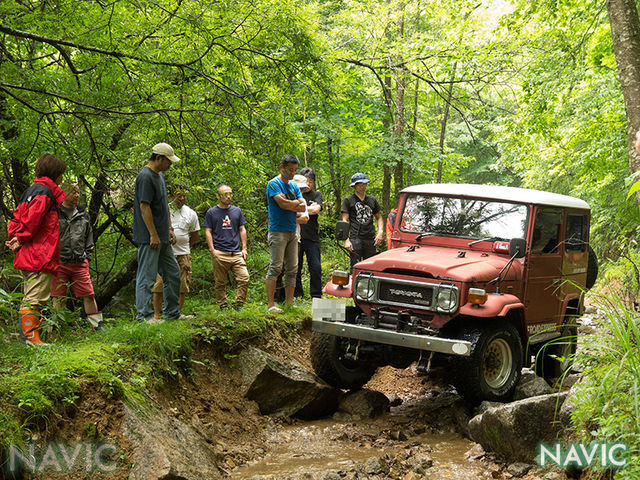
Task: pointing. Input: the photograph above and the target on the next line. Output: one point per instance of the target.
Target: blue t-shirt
(225, 226)
(281, 220)
(150, 188)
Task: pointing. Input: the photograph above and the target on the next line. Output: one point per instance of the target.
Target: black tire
(592, 269)
(493, 369)
(327, 359)
(556, 357)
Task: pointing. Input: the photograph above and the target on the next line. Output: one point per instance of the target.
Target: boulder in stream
(514, 430)
(285, 389)
(364, 403)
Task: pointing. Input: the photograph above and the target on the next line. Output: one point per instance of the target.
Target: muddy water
(311, 449)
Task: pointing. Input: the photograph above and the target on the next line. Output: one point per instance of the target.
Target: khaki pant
(222, 263)
(184, 262)
(37, 289)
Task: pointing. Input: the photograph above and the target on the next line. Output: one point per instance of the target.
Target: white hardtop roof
(496, 192)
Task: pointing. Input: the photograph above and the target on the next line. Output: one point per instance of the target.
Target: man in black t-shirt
(359, 210)
(310, 239)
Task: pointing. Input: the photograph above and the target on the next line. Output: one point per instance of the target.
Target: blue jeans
(151, 262)
(362, 249)
(312, 250)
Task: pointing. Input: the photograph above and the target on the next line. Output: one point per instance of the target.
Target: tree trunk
(398, 133)
(412, 132)
(124, 276)
(445, 118)
(334, 171)
(386, 180)
(17, 177)
(625, 32)
(399, 124)
(101, 186)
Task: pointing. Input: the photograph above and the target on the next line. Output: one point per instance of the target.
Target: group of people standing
(52, 239)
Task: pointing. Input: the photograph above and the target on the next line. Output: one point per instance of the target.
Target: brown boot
(29, 323)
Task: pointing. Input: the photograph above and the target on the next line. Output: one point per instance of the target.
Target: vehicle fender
(345, 291)
(497, 305)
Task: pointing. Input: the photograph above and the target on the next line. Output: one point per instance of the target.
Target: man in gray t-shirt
(153, 233)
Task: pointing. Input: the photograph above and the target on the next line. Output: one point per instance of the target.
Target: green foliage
(608, 406)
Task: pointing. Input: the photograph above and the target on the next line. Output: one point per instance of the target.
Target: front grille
(406, 294)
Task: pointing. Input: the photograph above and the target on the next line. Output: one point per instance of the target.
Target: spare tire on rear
(592, 269)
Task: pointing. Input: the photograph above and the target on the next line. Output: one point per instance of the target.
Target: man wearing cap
(284, 202)
(153, 233)
(359, 209)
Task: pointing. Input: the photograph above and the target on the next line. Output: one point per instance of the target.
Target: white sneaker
(155, 321)
(274, 309)
(186, 317)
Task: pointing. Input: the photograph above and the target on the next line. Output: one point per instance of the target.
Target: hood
(443, 263)
(58, 194)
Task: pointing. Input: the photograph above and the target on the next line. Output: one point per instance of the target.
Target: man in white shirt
(185, 225)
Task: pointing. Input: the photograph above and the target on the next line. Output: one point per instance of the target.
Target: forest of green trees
(515, 93)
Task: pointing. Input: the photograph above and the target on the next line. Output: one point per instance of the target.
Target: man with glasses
(226, 235)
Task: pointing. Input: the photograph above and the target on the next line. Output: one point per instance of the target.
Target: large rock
(514, 430)
(285, 389)
(531, 385)
(365, 403)
(166, 448)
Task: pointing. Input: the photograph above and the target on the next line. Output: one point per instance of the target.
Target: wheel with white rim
(492, 370)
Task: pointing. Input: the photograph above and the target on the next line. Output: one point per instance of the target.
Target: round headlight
(365, 289)
(447, 299)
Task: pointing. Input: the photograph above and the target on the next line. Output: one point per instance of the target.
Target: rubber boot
(95, 319)
(29, 323)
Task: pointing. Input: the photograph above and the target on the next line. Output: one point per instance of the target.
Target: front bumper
(329, 318)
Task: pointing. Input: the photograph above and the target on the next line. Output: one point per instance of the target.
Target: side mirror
(517, 247)
(342, 231)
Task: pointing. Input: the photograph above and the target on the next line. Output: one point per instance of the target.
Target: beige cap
(165, 150)
(301, 181)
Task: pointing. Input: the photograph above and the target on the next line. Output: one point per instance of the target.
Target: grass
(608, 406)
(128, 358)
(123, 360)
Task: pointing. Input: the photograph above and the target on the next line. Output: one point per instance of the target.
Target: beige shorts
(184, 262)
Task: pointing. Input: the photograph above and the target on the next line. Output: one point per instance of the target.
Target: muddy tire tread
(326, 364)
(467, 374)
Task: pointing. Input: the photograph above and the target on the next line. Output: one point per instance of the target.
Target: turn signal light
(340, 278)
(477, 296)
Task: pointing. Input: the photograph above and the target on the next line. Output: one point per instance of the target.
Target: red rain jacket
(35, 225)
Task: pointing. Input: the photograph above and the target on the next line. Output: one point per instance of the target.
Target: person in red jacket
(34, 238)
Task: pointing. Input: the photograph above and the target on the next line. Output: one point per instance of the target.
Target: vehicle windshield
(464, 217)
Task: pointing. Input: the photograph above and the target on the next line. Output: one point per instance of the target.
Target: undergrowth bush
(608, 404)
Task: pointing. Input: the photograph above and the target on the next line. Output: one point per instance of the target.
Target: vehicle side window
(546, 231)
(576, 234)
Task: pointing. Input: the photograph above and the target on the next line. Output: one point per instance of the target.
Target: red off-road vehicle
(489, 277)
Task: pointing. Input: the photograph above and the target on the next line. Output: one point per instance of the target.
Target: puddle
(314, 448)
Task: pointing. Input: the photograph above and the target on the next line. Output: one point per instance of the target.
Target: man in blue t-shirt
(224, 227)
(154, 235)
(284, 202)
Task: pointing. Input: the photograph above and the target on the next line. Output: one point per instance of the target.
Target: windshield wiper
(488, 239)
(420, 236)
